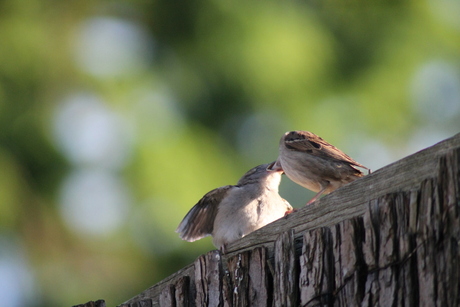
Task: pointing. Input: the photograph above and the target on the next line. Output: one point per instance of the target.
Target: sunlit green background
(117, 116)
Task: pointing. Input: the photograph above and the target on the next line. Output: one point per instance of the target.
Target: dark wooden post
(389, 239)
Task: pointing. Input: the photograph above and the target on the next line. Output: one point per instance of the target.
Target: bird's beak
(275, 167)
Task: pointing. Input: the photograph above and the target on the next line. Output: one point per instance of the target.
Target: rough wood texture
(141, 303)
(238, 268)
(388, 239)
(316, 280)
(285, 279)
(168, 296)
(182, 293)
(208, 279)
(98, 303)
(259, 279)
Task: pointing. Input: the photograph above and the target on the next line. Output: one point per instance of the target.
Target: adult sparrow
(231, 212)
(313, 163)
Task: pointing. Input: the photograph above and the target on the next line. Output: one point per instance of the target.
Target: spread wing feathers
(199, 221)
(316, 146)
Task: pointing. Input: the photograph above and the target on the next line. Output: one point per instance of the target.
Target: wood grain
(388, 239)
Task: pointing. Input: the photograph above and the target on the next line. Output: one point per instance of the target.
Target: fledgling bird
(231, 212)
(313, 163)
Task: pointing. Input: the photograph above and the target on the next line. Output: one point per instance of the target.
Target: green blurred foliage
(221, 82)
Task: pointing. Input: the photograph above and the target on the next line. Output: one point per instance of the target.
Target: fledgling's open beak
(275, 167)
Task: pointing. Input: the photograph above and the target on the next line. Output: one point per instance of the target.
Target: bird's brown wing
(199, 221)
(314, 145)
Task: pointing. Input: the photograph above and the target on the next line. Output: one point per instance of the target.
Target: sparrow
(231, 212)
(313, 163)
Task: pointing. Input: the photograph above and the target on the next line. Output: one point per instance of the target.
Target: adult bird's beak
(275, 167)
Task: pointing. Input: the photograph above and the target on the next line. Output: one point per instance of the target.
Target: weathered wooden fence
(391, 238)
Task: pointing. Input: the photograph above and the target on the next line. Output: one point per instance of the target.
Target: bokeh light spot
(94, 202)
(90, 133)
(112, 47)
(436, 91)
(16, 279)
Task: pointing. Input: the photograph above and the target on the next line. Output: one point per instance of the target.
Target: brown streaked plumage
(313, 163)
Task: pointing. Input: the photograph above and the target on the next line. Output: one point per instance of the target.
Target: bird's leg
(317, 195)
(223, 248)
(290, 211)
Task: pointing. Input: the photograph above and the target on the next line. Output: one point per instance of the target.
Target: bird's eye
(316, 145)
